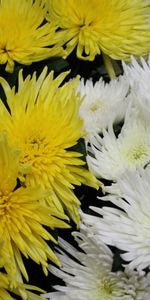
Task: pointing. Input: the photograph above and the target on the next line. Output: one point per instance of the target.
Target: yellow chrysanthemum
(21, 289)
(5, 287)
(44, 123)
(7, 283)
(116, 28)
(4, 279)
(23, 35)
(21, 218)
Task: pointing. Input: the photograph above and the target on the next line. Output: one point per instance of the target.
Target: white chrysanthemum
(103, 103)
(138, 77)
(109, 157)
(137, 72)
(127, 226)
(88, 274)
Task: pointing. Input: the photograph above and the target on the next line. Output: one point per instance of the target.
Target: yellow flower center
(105, 288)
(35, 148)
(5, 204)
(43, 156)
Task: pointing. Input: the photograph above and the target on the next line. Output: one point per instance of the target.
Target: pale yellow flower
(116, 28)
(24, 37)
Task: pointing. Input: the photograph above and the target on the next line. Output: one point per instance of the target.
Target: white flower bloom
(109, 157)
(138, 77)
(126, 227)
(88, 274)
(103, 103)
(137, 73)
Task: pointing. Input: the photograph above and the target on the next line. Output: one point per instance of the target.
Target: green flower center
(95, 106)
(138, 153)
(105, 289)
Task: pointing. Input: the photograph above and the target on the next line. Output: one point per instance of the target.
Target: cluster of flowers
(121, 157)
(42, 120)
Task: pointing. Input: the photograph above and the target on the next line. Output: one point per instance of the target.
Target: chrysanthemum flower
(94, 26)
(23, 36)
(127, 226)
(15, 285)
(21, 289)
(103, 104)
(137, 73)
(4, 287)
(44, 123)
(22, 217)
(88, 275)
(110, 156)
(138, 77)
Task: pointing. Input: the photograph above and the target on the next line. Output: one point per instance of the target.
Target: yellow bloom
(23, 37)
(116, 28)
(7, 283)
(21, 218)
(21, 289)
(4, 287)
(44, 123)
(4, 279)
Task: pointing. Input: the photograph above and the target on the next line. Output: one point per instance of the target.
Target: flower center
(5, 205)
(34, 149)
(95, 106)
(105, 289)
(40, 156)
(137, 154)
(85, 31)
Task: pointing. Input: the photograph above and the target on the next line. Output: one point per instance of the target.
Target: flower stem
(109, 66)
